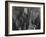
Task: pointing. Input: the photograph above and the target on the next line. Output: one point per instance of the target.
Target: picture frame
(32, 9)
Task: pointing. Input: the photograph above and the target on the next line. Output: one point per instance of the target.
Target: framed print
(24, 18)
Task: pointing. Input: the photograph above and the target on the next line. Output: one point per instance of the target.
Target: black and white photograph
(24, 18)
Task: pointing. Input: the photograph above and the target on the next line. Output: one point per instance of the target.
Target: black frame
(6, 17)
